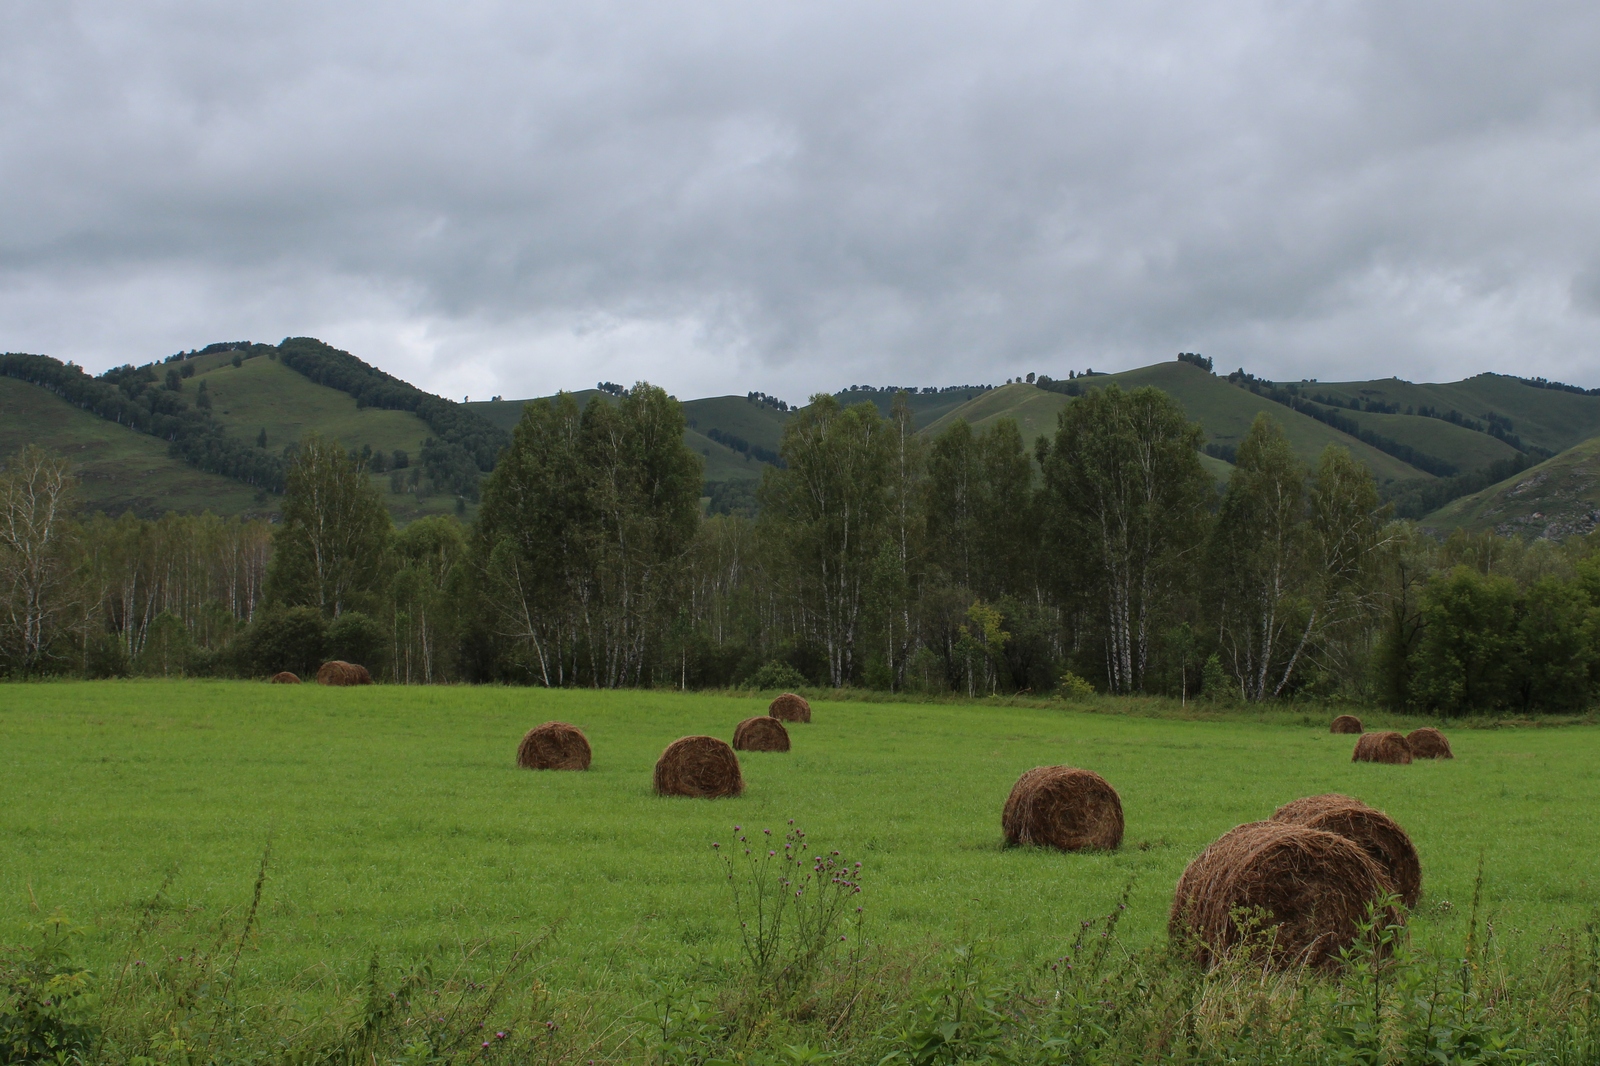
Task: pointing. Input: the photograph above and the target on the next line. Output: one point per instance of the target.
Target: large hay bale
(1062, 807)
(1428, 743)
(1345, 723)
(554, 746)
(339, 672)
(790, 708)
(1308, 889)
(763, 733)
(698, 766)
(1379, 836)
(284, 677)
(1382, 747)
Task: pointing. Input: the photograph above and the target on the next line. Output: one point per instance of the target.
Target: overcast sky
(794, 195)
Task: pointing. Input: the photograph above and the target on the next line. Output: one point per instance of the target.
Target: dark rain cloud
(721, 196)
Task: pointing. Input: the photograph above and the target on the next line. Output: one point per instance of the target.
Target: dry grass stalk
(554, 746)
(1428, 743)
(1379, 836)
(1383, 747)
(1309, 890)
(704, 767)
(762, 733)
(1345, 723)
(1062, 807)
(284, 677)
(339, 672)
(790, 708)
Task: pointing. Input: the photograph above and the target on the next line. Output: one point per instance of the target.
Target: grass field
(398, 821)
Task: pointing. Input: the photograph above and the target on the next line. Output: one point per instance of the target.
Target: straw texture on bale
(285, 677)
(339, 672)
(1309, 889)
(1379, 836)
(698, 766)
(1062, 807)
(1382, 747)
(554, 746)
(763, 733)
(1428, 743)
(1345, 723)
(790, 708)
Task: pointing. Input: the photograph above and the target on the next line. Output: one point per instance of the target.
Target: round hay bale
(763, 733)
(1345, 723)
(1379, 836)
(1382, 747)
(1309, 890)
(790, 708)
(698, 766)
(1428, 743)
(1062, 807)
(554, 746)
(339, 672)
(284, 677)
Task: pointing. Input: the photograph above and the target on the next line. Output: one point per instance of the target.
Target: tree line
(1103, 557)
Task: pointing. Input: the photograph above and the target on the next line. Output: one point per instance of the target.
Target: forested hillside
(1101, 556)
(147, 437)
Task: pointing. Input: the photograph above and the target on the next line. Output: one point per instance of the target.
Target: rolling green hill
(1551, 419)
(118, 469)
(1558, 498)
(264, 394)
(734, 419)
(1223, 411)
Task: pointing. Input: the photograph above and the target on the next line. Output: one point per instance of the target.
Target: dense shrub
(357, 638)
(292, 638)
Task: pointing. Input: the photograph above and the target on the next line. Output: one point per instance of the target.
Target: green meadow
(398, 822)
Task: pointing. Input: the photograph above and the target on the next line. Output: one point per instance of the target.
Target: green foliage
(280, 638)
(1128, 499)
(332, 549)
(1072, 687)
(356, 638)
(776, 675)
(168, 648)
(1466, 657)
(46, 1015)
(584, 525)
(1215, 684)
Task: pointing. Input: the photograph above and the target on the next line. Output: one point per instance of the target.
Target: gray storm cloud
(722, 196)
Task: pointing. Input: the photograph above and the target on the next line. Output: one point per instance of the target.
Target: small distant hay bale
(339, 672)
(284, 677)
(790, 708)
(1382, 747)
(1062, 807)
(1308, 890)
(762, 733)
(1379, 836)
(1428, 743)
(704, 767)
(554, 746)
(1345, 723)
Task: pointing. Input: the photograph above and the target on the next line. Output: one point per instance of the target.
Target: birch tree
(36, 574)
(331, 551)
(1127, 494)
(828, 512)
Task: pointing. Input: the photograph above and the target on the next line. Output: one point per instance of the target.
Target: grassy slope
(264, 394)
(120, 470)
(1558, 498)
(1223, 410)
(399, 822)
(1544, 417)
